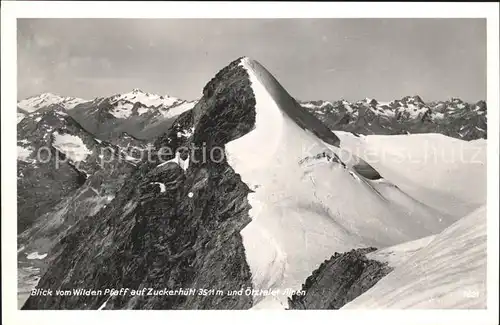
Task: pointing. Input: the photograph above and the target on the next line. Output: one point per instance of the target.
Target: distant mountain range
(145, 115)
(141, 114)
(453, 117)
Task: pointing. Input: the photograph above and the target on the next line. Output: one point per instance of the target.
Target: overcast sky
(312, 58)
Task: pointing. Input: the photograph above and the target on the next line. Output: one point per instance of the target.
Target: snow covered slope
(34, 103)
(306, 203)
(450, 272)
(442, 172)
(20, 116)
(71, 145)
(178, 109)
(396, 255)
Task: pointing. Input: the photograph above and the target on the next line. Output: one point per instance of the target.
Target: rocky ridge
(339, 280)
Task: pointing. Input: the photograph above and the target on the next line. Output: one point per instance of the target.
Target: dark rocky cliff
(184, 234)
(339, 280)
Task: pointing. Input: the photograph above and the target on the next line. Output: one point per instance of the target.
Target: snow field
(448, 272)
(303, 213)
(71, 145)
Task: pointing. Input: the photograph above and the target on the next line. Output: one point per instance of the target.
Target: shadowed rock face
(339, 280)
(53, 193)
(183, 235)
(41, 187)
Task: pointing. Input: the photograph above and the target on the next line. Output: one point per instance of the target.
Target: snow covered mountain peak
(369, 101)
(144, 98)
(33, 103)
(417, 100)
(286, 103)
(47, 95)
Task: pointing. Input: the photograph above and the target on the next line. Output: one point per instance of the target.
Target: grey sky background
(312, 58)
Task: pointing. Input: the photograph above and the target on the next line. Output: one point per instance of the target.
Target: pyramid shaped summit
(285, 102)
(270, 199)
(241, 85)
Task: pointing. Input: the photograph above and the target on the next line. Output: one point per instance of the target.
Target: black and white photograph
(198, 163)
